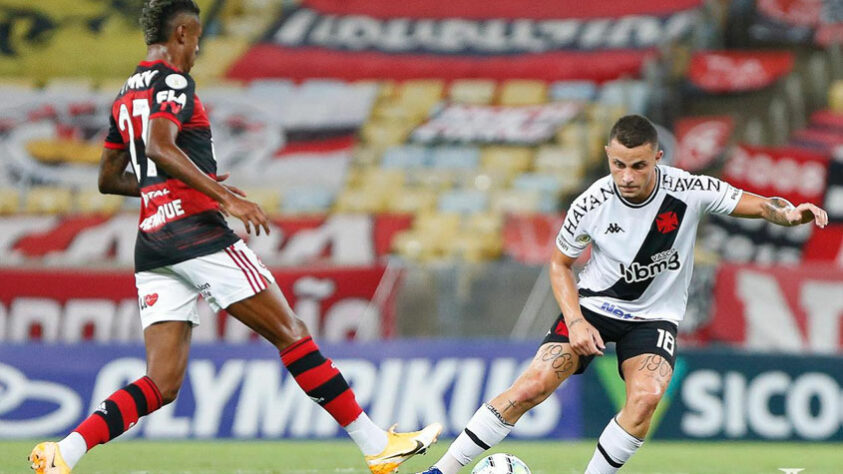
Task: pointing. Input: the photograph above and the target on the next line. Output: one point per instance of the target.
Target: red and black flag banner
(446, 39)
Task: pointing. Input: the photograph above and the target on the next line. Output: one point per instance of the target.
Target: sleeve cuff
(115, 146)
(567, 248)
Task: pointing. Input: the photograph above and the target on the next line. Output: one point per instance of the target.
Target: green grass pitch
(316, 457)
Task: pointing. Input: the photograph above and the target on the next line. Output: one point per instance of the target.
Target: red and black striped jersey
(177, 222)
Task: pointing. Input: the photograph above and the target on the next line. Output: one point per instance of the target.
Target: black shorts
(631, 338)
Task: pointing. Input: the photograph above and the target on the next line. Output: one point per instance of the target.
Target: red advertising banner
(701, 140)
(738, 71)
(549, 40)
(779, 308)
(337, 239)
(825, 245)
(795, 174)
(102, 306)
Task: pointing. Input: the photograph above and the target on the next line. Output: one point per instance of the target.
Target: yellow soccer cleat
(401, 447)
(46, 459)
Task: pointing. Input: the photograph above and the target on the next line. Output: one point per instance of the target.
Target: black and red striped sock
(321, 380)
(120, 412)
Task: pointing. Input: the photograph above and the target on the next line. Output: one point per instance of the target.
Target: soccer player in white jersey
(641, 222)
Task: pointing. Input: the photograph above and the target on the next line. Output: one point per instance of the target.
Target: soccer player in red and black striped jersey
(185, 248)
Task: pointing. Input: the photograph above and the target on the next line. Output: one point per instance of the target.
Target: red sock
(120, 412)
(322, 382)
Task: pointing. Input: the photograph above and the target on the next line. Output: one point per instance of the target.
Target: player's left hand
(807, 212)
(234, 189)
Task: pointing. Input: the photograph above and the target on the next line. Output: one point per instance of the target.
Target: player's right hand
(250, 213)
(585, 340)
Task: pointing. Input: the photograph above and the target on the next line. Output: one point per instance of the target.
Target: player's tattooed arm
(779, 211)
(113, 177)
(775, 210)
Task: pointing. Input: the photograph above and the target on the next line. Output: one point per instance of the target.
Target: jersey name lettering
(139, 80)
(165, 213)
(695, 183)
(586, 204)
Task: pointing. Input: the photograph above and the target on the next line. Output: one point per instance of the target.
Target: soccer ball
(501, 463)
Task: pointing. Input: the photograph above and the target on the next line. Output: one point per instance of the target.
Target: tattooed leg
(552, 364)
(647, 377)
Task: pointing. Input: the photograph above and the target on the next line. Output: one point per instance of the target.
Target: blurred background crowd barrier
(416, 159)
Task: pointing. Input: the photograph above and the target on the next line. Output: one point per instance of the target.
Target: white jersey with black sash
(642, 254)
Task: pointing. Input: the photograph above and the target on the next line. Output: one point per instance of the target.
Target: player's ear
(181, 33)
(659, 155)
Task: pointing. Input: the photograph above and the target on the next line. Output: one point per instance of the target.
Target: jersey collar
(159, 61)
(649, 199)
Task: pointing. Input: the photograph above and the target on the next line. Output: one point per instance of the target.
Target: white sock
(72, 448)
(484, 430)
(614, 448)
(369, 437)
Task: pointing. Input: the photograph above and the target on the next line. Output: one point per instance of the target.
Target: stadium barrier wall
(720, 394)
(242, 391)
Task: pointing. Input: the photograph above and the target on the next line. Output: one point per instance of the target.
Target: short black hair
(634, 130)
(157, 14)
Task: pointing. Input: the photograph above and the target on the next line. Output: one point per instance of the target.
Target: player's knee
(290, 332)
(642, 403)
(169, 389)
(532, 390)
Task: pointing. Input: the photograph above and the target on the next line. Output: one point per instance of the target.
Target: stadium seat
(384, 133)
(406, 157)
(412, 200)
(463, 201)
(634, 96)
(472, 91)
(584, 91)
(484, 223)
(523, 92)
(421, 92)
(9, 201)
(65, 151)
(488, 180)
(443, 224)
(434, 179)
(306, 200)
(544, 183)
(391, 110)
(557, 158)
(359, 200)
(516, 201)
(48, 200)
(455, 157)
(509, 159)
(383, 180)
(366, 156)
(835, 96)
(93, 202)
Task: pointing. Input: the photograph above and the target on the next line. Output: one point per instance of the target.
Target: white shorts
(170, 293)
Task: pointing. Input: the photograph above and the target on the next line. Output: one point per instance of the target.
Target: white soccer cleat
(46, 459)
(401, 447)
